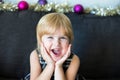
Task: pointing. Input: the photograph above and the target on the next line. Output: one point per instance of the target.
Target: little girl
(53, 59)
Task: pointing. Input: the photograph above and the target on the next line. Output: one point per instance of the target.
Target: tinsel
(104, 11)
(64, 8)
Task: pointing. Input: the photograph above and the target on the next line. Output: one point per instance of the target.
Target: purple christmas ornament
(23, 5)
(0, 0)
(42, 2)
(78, 8)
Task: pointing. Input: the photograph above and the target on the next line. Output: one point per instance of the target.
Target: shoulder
(34, 61)
(75, 59)
(35, 67)
(75, 62)
(34, 56)
(73, 67)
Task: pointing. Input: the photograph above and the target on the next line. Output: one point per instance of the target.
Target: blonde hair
(49, 23)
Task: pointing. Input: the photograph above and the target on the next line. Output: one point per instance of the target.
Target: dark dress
(43, 64)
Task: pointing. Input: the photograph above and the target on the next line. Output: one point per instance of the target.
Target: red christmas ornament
(78, 8)
(23, 5)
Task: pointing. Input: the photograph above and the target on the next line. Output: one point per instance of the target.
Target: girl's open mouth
(56, 52)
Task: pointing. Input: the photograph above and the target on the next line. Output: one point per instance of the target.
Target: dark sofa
(97, 43)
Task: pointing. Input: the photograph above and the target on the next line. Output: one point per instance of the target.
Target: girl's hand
(46, 55)
(62, 60)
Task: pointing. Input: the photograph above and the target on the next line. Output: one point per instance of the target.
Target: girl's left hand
(62, 60)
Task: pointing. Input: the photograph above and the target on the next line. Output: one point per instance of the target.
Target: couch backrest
(97, 43)
(17, 40)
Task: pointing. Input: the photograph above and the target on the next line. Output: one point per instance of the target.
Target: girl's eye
(64, 38)
(50, 37)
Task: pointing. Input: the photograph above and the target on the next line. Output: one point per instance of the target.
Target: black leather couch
(97, 43)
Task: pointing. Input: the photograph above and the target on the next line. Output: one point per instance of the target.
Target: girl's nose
(56, 42)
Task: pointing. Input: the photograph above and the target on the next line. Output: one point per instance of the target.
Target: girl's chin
(56, 58)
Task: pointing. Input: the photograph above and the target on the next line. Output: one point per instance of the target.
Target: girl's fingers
(45, 54)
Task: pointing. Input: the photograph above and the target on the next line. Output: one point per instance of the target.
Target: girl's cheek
(47, 44)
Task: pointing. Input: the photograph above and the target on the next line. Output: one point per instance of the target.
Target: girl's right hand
(45, 55)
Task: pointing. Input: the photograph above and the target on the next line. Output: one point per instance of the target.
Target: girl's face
(56, 44)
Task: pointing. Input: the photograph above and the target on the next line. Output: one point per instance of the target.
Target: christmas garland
(42, 5)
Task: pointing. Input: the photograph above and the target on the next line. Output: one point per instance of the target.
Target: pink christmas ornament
(78, 8)
(23, 5)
